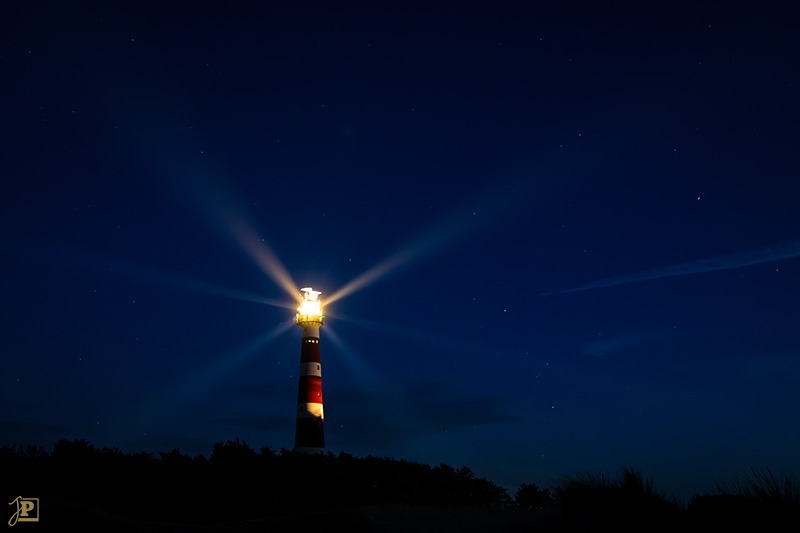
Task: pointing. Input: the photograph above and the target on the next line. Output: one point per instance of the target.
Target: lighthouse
(309, 432)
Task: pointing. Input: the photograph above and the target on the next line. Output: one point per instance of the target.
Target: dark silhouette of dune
(237, 488)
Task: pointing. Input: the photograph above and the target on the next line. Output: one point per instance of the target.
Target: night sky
(550, 240)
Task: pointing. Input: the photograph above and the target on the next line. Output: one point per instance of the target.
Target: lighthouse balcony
(308, 318)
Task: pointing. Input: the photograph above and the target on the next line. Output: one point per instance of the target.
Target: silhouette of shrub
(762, 501)
(764, 486)
(628, 504)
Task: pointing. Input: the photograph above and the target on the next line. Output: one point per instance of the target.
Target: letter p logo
(27, 510)
(26, 506)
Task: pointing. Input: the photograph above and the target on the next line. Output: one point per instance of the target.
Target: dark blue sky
(574, 231)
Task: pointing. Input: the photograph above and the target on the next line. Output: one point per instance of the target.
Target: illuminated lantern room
(310, 309)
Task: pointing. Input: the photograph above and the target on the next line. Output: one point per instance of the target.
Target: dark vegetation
(82, 487)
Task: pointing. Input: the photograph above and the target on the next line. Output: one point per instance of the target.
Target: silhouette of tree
(232, 452)
(74, 451)
(530, 497)
(268, 452)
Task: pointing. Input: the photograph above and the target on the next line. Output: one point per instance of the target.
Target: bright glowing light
(310, 309)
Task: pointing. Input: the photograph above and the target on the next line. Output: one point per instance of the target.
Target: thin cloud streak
(726, 262)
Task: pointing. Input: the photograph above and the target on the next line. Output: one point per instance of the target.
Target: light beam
(430, 241)
(493, 205)
(414, 335)
(262, 254)
(177, 282)
(226, 213)
(202, 377)
(358, 364)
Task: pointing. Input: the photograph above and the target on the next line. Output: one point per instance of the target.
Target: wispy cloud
(400, 415)
(725, 262)
(604, 347)
(757, 366)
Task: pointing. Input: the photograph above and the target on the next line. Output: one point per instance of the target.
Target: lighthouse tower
(309, 433)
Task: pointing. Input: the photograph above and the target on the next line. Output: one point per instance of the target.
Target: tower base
(309, 434)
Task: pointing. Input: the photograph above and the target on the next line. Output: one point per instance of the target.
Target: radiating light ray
(433, 240)
(490, 206)
(414, 335)
(726, 262)
(385, 398)
(164, 405)
(357, 363)
(220, 205)
(177, 282)
(263, 255)
(373, 274)
(105, 265)
(201, 378)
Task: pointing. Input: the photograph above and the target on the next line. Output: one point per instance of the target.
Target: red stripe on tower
(309, 433)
